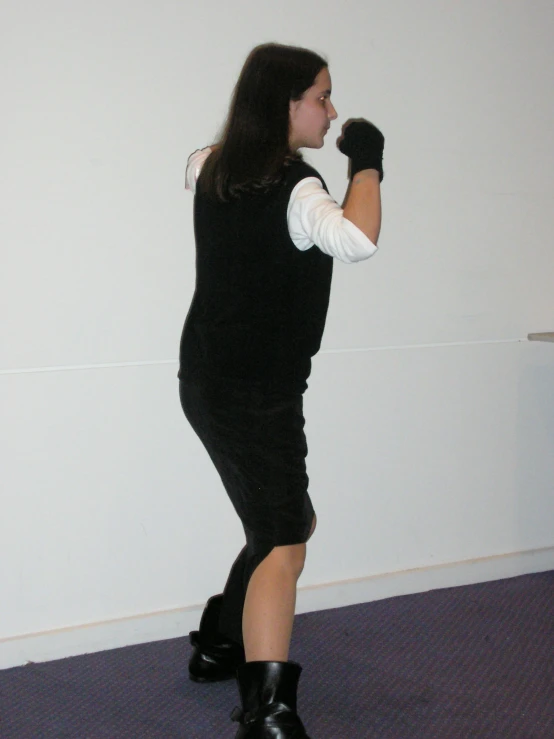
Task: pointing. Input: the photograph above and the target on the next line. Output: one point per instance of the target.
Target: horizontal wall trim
(437, 345)
(139, 629)
(353, 350)
(77, 367)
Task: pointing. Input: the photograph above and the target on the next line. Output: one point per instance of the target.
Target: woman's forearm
(362, 204)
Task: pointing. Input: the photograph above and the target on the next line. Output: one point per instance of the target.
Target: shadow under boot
(214, 656)
(268, 693)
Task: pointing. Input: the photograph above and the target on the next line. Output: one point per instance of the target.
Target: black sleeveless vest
(260, 304)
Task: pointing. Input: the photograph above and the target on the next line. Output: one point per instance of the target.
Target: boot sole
(203, 679)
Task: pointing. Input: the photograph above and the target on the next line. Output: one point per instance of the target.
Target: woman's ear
(293, 107)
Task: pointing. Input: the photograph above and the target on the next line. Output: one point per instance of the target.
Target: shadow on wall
(535, 451)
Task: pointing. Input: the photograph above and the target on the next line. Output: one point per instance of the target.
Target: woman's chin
(315, 143)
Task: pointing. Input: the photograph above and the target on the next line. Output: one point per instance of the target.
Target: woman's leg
(270, 603)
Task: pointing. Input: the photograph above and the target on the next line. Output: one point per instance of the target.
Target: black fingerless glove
(363, 143)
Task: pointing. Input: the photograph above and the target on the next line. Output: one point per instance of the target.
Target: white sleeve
(313, 217)
(194, 165)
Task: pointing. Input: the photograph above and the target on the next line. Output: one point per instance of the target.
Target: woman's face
(311, 116)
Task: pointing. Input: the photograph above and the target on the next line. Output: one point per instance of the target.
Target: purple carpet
(461, 663)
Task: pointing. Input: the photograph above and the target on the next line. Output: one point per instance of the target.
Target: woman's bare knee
(289, 557)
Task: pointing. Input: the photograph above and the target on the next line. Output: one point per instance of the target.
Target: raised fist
(363, 143)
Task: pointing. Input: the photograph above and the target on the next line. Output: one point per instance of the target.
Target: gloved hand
(363, 143)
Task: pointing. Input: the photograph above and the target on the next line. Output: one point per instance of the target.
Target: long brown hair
(253, 151)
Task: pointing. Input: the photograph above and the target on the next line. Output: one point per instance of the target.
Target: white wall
(430, 419)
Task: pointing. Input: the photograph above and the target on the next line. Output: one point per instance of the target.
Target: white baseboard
(144, 628)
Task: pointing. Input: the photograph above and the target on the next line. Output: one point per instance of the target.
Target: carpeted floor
(473, 662)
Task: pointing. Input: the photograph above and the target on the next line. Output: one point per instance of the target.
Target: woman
(266, 233)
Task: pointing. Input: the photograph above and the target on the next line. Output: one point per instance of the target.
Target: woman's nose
(332, 112)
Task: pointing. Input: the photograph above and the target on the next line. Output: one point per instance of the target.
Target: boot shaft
(268, 692)
(209, 622)
(264, 683)
(214, 657)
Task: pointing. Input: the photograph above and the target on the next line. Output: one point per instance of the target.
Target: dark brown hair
(253, 151)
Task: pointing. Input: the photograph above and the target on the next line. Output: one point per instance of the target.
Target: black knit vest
(260, 304)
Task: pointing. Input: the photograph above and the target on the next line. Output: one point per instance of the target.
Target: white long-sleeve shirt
(313, 217)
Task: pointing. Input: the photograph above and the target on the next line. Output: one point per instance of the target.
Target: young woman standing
(266, 232)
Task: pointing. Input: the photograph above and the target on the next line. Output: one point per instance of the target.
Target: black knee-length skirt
(257, 443)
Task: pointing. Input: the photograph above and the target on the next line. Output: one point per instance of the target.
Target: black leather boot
(214, 657)
(268, 694)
